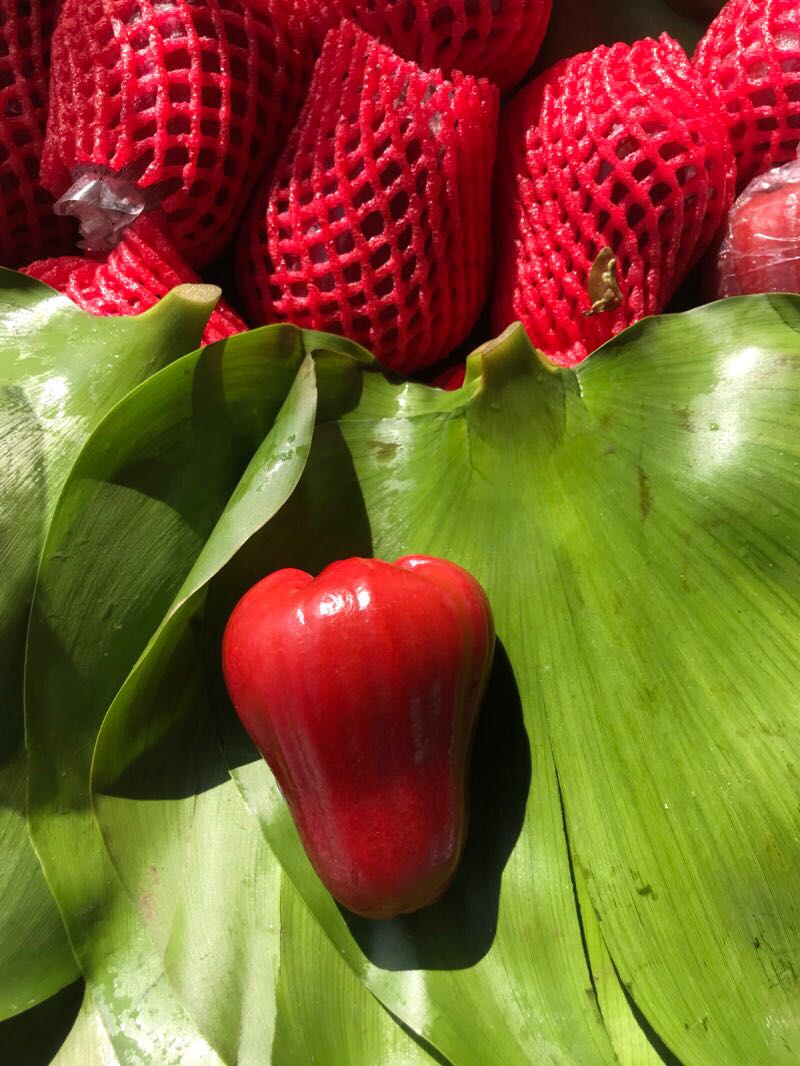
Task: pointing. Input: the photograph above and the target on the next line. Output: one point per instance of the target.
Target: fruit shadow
(34, 1037)
(458, 930)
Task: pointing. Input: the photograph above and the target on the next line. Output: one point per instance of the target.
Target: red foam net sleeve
(193, 99)
(496, 39)
(141, 270)
(376, 221)
(615, 149)
(29, 228)
(749, 61)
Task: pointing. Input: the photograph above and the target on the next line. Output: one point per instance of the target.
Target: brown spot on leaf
(147, 907)
(645, 495)
(385, 449)
(684, 416)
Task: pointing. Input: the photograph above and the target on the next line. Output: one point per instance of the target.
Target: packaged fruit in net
(761, 248)
(375, 223)
(614, 175)
(168, 102)
(749, 61)
(142, 268)
(29, 227)
(496, 39)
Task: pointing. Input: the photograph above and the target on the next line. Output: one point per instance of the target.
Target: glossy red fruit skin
(361, 689)
(450, 379)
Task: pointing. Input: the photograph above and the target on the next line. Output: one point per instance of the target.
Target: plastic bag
(105, 204)
(761, 248)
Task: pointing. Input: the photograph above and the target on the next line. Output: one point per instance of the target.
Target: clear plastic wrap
(105, 204)
(760, 251)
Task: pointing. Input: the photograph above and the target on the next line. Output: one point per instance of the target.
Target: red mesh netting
(202, 94)
(376, 221)
(750, 61)
(617, 148)
(141, 269)
(28, 227)
(497, 39)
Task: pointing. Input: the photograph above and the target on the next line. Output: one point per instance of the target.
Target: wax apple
(761, 250)
(361, 689)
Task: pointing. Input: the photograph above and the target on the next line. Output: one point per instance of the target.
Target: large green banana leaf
(629, 890)
(213, 410)
(166, 462)
(60, 371)
(635, 523)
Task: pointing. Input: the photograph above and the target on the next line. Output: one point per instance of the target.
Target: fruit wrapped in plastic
(761, 248)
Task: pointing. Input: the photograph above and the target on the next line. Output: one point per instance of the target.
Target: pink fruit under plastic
(142, 268)
(613, 176)
(761, 248)
(376, 221)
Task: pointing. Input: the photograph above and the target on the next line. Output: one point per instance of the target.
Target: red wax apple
(361, 689)
(761, 250)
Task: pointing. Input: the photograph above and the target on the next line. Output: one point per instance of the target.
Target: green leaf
(239, 947)
(87, 1043)
(197, 874)
(174, 857)
(633, 1040)
(402, 472)
(636, 525)
(61, 370)
(134, 517)
(324, 1015)
(676, 583)
(630, 883)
